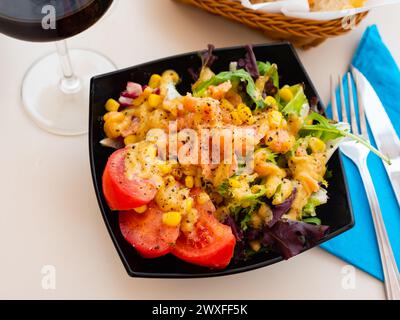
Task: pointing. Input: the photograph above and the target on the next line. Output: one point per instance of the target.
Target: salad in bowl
(236, 167)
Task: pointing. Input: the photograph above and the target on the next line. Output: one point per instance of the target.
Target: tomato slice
(211, 244)
(147, 233)
(120, 192)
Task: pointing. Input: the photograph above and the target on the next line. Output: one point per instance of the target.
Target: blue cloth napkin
(359, 246)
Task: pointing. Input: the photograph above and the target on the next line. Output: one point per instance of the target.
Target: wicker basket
(301, 32)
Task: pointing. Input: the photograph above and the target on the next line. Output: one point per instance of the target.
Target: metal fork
(359, 155)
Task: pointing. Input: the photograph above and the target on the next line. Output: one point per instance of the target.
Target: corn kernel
(114, 116)
(274, 119)
(172, 219)
(255, 189)
(317, 145)
(241, 106)
(286, 94)
(112, 105)
(236, 118)
(202, 198)
(245, 114)
(165, 168)
(141, 209)
(147, 92)
(270, 101)
(112, 129)
(188, 205)
(197, 182)
(255, 245)
(172, 75)
(154, 100)
(189, 182)
(225, 104)
(130, 140)
(234, 183)
(139, 101)
(155, 81)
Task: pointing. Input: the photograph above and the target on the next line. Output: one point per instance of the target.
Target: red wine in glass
(54, 94)
(31, 19)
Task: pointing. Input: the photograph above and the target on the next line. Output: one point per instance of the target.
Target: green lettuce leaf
(270, 156)
(323, 129)
(263, 67)
(296, 105)
(240, 75)
(244, 223)
(224, 188)
(270, 70)
(316, 199)
(313, 220)
(248, 212)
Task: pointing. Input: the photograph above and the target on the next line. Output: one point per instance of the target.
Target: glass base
(51, 108)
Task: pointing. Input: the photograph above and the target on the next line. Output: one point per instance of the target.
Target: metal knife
(382, 129)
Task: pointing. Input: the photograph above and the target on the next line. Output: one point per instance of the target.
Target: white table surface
(49, 213)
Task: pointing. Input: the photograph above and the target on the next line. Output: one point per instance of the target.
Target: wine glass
(55, 89)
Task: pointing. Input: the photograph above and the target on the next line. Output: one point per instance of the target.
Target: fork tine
(343, 106)
(361, 113)
(354, 125)
(335, 114)
(343, 101)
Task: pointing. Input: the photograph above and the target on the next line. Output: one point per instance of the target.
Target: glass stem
(69, 83)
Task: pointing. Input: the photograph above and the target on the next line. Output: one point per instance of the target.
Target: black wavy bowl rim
(135, 265)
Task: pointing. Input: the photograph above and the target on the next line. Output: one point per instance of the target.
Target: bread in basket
(302, 33)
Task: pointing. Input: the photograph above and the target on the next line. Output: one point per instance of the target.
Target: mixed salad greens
(205, 212)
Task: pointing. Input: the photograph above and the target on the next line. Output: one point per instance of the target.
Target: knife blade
(382, 128)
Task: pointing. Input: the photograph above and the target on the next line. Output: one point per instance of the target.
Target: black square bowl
(337, 213)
